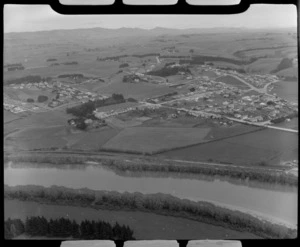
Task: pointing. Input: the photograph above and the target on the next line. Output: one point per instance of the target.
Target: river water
(279, 204)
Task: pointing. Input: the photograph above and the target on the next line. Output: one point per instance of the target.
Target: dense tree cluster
(131, 78)
(168, 71)
(131, 100)
(156, 203)
(30, 100)
(71, 75)
(13, 228)
(42, 98)
(28, 79)
(85, 110)
(123, 65)
(70, 63)
(14, 66)
(65, 228)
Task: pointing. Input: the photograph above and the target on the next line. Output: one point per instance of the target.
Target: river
(278, 204)
(287, 90)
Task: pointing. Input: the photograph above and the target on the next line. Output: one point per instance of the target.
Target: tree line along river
(278, 204)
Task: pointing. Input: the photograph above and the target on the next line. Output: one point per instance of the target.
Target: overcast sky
(23, 18)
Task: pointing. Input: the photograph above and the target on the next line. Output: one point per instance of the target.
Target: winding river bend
(280, 205)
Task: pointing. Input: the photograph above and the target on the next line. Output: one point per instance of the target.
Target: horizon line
(152, 28)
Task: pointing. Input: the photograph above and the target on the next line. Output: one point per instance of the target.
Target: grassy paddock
(155, 203)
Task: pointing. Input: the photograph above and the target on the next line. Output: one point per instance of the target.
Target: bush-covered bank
(65, 228)
(155, 203)
(156, 165)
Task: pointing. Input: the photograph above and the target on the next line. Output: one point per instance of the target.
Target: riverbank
(145, 225)
(273, 175)
(161, 204)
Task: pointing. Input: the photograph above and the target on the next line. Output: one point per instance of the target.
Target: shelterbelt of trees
(155, 203)
(251, 173)
(168, 71)
(65, 228)
(27, 79)
(85, 110)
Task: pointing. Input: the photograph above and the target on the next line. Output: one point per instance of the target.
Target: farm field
(92, 68)
(135, 90)
(59, 137)
(43, 119)
(179, 122)
(92, 140)
(35, 138)
(9, 116)
(223, 132)
(232, 81)
(144, 225)
(154, 139)
(265, 145)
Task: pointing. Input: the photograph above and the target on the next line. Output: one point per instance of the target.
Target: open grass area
(145, 225)
(152, 139)
(210, 74)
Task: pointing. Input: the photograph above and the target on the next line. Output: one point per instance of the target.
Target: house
(88, 121)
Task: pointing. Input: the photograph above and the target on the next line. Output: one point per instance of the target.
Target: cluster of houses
(66, 93)
(222, 99)
(256, 80)
(254, 108)
(15, 106)
(89, 123)
(32, 85)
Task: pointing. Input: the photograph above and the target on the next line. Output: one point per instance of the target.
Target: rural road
(263, 125)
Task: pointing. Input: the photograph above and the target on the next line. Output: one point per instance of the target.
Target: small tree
(191, 52)
(29, 100)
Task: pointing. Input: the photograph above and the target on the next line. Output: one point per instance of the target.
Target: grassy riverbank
(269, 175)
(155, 203)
